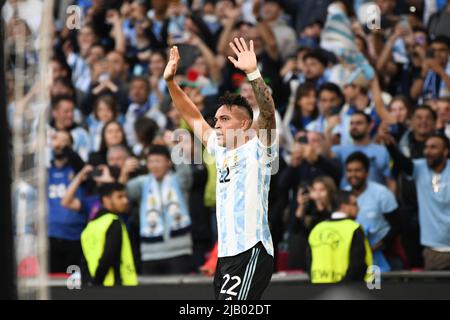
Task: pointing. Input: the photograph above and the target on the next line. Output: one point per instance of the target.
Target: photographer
(82, 193)
(314, 205)
(64, 224)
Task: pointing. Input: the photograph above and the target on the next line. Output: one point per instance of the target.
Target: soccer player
(244, 161)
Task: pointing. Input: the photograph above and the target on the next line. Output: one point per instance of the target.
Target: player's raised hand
(246, 57)
(172, 65)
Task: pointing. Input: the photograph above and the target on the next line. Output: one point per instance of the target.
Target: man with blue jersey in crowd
(377, 208)
(64, 225)
(432, 178)
(244, 162)
(379, 169)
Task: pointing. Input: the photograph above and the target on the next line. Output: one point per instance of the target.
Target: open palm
(172, 65)
(246, 57)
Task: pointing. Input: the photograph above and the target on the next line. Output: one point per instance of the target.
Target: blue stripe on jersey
(223, 226)
(239, 208)
(258, 230)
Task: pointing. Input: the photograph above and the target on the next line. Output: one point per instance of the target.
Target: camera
(97, 172)
(394, 129)
(303, 139)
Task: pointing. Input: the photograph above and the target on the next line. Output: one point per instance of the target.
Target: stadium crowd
(362, 104)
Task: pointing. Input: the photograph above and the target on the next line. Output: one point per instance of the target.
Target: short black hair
(55, 101)
(362, 113)
(318, 55)
(341, 197)
(332, 87)
(278, 2)
(420, 29)
(441, 39)
(427, 108)
(146, 129)
(107, 189)
(232, 99)
(158, 149)
(441, 136)
(142, 79)
(360, 157)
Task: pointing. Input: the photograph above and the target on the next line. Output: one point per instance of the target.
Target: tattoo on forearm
(266, 119)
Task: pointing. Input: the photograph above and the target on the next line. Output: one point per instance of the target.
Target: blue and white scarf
(163, 213)
(337, 37)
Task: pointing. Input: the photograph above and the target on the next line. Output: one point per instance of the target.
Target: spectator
(205, 71)
(439, 25)
(86, 38)
(140, 107)
(158, 61)
(112, 135)
(305, 111)
(309, 159)
(285, 36)
(146, 130)
(108, 76)
(166, 244)
(412, 145)
(330, 100)
(82, 194)
(63, 119)
(339, 250)
(310, 35)
(434, 80)
(443, 112)
(201, 215)
(105, 110)
(266, 50)
(106, 245)
(377, 212)
(379, 170)
(397, 113)
(315, 67)
(308, 11)
(431, 176)
(314, 205)
(423, 122)
(356, 99)
(122, 165)
(400, 110)
(64, 225)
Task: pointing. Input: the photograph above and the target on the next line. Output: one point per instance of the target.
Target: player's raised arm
(188, 111)
(246, 61)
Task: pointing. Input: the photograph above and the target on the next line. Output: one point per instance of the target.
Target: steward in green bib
(338, 249)
(108, 257)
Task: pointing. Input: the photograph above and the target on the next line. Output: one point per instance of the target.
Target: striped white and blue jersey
(81, 74)
(243, 181)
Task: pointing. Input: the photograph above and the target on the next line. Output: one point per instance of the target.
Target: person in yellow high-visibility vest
(338, 249)
(105, 242)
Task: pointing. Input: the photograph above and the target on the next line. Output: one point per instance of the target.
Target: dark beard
(59, 155)
(436, 162)
(357, 136)
(359, 186)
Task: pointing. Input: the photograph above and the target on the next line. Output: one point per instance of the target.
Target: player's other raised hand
(246, 57)
(172, 65)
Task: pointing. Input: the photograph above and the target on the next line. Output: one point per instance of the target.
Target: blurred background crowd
(363, 104)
